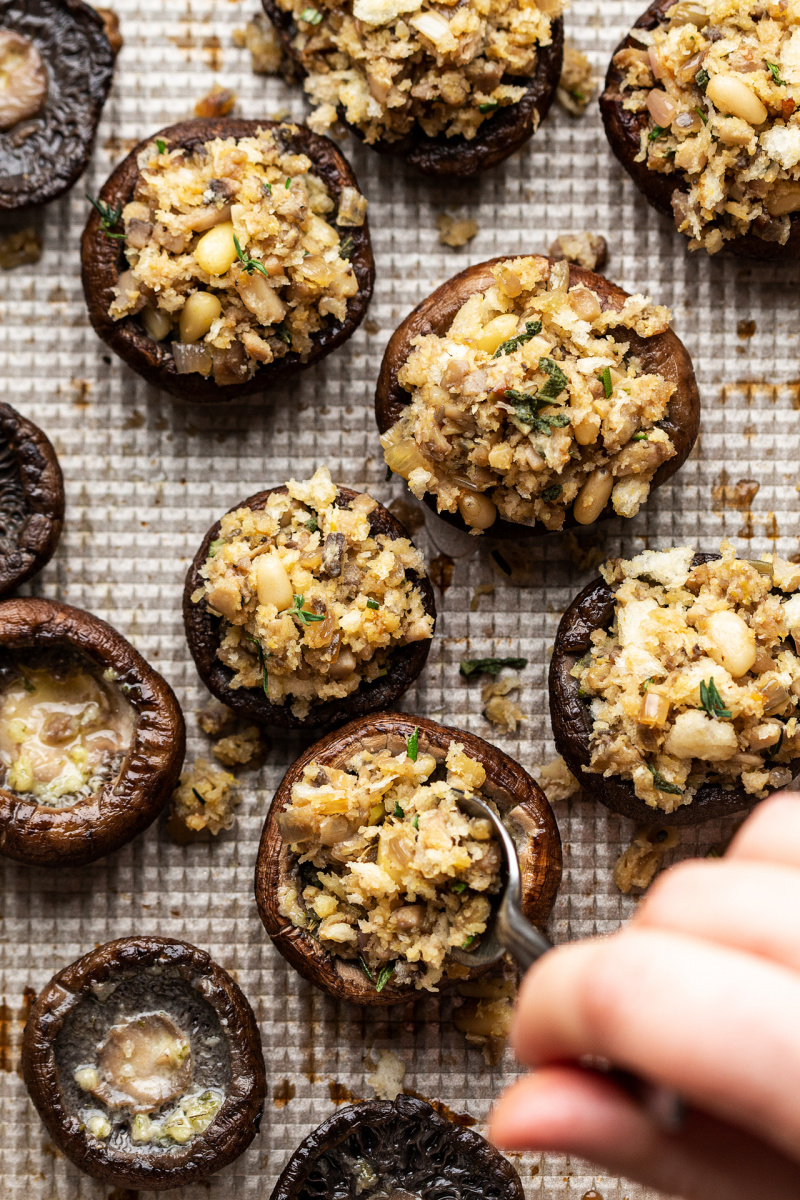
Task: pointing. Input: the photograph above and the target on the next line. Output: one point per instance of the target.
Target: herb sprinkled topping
(160, 145)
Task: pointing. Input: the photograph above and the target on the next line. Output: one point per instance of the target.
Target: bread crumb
(576, 85)
(219, 102)
(202, 803)
(261, 39)
(505, 714)
(557, 781)
(240, 748)
(214, 718)
(637, 866)
(22, 246)
(456, 232)
(387, 1079)
(588, 250)
(483, 589)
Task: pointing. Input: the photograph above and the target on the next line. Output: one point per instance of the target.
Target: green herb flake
(249, 264)
(663, 784)
(655, 133)
(373, 604)
(288, 183)
(26, 683)
(160, 145)
(551, 493)
(282, 334)
(459, 887)
(775, 73)
(398, 811)
(489, 666)
(701, 79)
(199, 797)
(109, 217)
(701, 114)
(415, 822)
(384, 977)
(311, 525)
(639, 437)
(267, 188)
(366, 969)
(605, 379)
(470, 942)
(532, 328)
(488, 106)
(214, 546)
(311, 15)
(646, 684)
(346, 248)
(413, 744)
(305, 617)
(711, 700)
(555, 384)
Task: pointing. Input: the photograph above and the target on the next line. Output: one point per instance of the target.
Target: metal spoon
(509, 930)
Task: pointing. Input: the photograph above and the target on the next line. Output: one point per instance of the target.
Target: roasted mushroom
(144, 1061)
(456, 104)
(473, 392)
(56, 65)
(257, 268)
(307, 605)
(347, 805)
(703, 721)
(696, 109)
(91, 737)
(396, 1150)
(31, 499)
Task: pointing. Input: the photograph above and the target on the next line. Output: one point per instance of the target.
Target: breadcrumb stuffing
(214, 718)
(588, 250)
(500, 712)
(576, 85)
(20, 247)
(454, 231)
(203, 802)
(240, 749)
(387, 1079)
(639, 863)
(557, 781)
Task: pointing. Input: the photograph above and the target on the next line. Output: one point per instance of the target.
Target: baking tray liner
(146, 475)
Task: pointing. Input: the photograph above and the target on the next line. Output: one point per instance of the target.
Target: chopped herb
(262, 660)
(489, 666)
(267, 188)
(288, 183)
(663, 784)
(249, 264)
(501, 562)
(311, 525)
(639, 437)
(577, 94)
(670, 153)
(655, 133)
(413, 744)
(488, 106)
(551, 493)
(26, 683)
(701, 114)
(605, 379)
(199, 797)
(306, 618)
(311, 15)
(384, 977)
(109, 217)
(711, 700)
(366, 969)
(415, 822)
(373, 604)
(532, 328)
(701, 79)
(555, 384)
(459, 887)
(160, 145)
(775, 73)
(346, 247)
(470, 942)
(214, 546)
(398, 811)
(646, 684)
(282, 333)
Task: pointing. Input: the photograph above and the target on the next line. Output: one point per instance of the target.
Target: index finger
(772, 832)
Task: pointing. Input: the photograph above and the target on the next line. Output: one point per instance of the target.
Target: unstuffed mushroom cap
(593, 609)
(519, 799)
(624, 128)
(663, 354)
(203, 634)
(498, 137)
(124, 806)
(31, 499)
(103, 261)
(236, 1122)
(408, 1144)
(42, 157)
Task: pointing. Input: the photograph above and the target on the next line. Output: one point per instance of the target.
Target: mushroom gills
(12, 499)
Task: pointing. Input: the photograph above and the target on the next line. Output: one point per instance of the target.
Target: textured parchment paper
(145, 476)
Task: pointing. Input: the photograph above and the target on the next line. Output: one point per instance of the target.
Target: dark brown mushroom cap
(70, 37)
(517, 797)
(235, 1124)
(593, 608)
(623, 130)
(498, 137)
(31, 499)
(103, 261)
(409, 1145)
(123, 807)
(203, 635)
(663, 354)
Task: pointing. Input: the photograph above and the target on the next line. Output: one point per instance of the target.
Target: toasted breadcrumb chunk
(239, 749)
(638, 864)
(557, 781)
(576, 85)
(203, 802)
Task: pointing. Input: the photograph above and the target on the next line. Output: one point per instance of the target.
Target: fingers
(746, 905)
(772, 833)
(626, 999)
(571, 1111)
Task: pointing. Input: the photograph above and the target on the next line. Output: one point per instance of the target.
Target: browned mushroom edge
(623, 129)
(103, 261)
(593, 608)
(203, 636)
(497, 138)
(511, 788)
(663, 354)
(35, 834)
(408, 1144)
(31, 499)
(57, 143)
(235, 1124)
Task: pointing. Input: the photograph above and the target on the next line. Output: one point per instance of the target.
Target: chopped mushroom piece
(638, 864)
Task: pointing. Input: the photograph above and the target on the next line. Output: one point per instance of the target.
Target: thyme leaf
(199, 797)
(366, 969)
(470, 942)
(109, 217)
(249, 264)
(663, 784)
(384, 977)
(283, 334)
(775, 73)
(711, 700)
(605, 379)
(302, 614)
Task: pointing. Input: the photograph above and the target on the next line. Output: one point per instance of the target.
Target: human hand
(699, 993)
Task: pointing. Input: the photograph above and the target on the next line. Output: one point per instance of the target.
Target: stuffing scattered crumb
(483, 589)
(637, 866)
(387, 1079)
(454, 231)
(240, 748)
(576, 85)
(499, 711)
(485, 1016)
(261, 39)
(587, 250)
(557, 781)
(215, 718)
(203, 802)
(219, 102)
(20, 247)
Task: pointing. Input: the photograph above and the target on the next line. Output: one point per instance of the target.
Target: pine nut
(272, 582)
(586, 431)
(156, 322)
(198, 315)
(216, 251)
(731, 95)
(477, 510)
(498, 330)
(593, 496)
(733, 643)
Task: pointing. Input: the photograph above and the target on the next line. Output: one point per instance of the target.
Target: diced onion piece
(662, 108)
(190, 358)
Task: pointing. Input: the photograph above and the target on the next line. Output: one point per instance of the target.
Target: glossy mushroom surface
(31, 499)
(624, 129)
(662, 354)
(497, 138)
(401, 1150)
(592, 609)
(103, 262)
(60, 66)
(144, 1061)
(518, 798)
(76, 664)
(203, 634)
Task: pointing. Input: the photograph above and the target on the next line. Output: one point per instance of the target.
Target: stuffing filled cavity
(697, 681)
(390, 873)
(235, 253)
(719, 84)
(531, 403)
(390, 67)
(313, 602)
